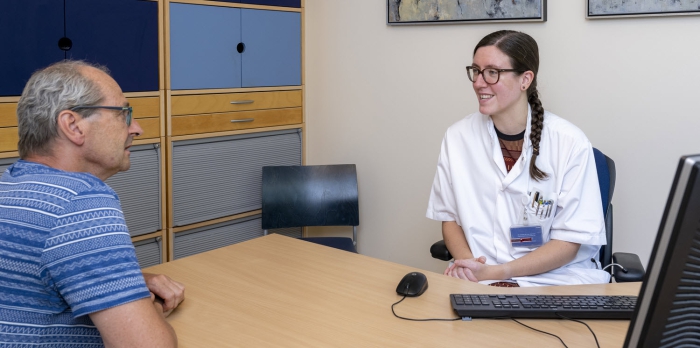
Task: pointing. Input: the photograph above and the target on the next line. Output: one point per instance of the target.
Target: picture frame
(598, 9)
(410, 12)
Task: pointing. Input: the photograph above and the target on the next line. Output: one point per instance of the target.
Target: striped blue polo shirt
(65, 251)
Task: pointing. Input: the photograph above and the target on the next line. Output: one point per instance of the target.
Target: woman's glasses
(491, 76)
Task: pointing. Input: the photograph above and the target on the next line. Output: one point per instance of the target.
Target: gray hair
(49, 91)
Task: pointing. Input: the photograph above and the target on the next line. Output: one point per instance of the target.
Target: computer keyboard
(543, 306)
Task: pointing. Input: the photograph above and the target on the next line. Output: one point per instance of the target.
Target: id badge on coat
(526, 236)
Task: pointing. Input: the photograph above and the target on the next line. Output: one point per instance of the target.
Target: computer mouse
(412, 284)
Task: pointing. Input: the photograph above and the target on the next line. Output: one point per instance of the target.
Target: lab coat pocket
(541, 208)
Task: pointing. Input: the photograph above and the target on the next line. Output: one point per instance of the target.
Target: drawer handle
(243, 102)
(243, 120)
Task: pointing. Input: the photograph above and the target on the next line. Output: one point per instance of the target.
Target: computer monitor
(668, 308)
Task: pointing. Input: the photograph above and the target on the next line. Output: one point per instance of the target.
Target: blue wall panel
(203, 43)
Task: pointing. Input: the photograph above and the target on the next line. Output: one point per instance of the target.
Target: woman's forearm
(551, 255)
(456, 242)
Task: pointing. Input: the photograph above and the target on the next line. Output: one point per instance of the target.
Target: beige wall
(382, 97)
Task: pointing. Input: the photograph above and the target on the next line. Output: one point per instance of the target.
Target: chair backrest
(605, 167)
(296, 196)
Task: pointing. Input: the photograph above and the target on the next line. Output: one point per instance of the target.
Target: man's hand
(465, 268)
(170, 291)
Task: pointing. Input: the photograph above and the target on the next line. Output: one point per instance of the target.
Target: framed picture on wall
(640, 8)
(401, 12)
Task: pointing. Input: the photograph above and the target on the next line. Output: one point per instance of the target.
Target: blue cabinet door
(30, 31)
(119, 34)
(272, 55)
(203, 42)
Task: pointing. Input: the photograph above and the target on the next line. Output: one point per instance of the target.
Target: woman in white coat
(516, 187)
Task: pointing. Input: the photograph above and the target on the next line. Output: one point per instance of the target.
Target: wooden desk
(277, 291)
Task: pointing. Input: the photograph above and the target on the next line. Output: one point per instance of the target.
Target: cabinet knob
(65, 44)
(243, 120)
(240, 47)
(234, 102)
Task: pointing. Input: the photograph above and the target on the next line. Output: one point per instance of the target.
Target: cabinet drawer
(145, 106)
(183, 125)
(211, 103)
(8, 114)
(150, 126)
(8, 139)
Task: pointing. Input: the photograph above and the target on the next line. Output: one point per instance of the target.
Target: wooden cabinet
(235, 104)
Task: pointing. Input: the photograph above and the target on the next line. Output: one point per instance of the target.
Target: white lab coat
(473, 188)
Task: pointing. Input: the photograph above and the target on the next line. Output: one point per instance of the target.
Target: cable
(513, 319)
(412, 319)
(589, 328)
(624, 270)
(544, 332)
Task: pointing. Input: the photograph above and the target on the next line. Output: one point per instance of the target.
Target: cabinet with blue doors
(235, 104)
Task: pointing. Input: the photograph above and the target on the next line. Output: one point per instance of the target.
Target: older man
(68, 271)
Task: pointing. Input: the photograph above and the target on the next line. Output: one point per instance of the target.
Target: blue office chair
(624, 267)
(297, 196)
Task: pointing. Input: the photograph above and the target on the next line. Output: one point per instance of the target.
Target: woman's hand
(466, 269)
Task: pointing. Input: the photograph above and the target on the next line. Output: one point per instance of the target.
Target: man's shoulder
(73, 183)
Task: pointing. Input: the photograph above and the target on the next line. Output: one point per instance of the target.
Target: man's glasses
(491, 76)
(127, 111)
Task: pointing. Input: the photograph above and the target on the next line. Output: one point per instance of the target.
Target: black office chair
(297, 196)
(626, 267)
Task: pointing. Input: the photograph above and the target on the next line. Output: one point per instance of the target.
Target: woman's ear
(526, 80)
(69, 127)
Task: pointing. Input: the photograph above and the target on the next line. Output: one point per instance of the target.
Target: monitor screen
(668, 308)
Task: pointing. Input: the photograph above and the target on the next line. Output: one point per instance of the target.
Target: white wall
(382, 97)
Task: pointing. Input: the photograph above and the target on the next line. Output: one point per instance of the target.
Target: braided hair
(524, 55)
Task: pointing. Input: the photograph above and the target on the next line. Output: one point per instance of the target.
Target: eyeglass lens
(490, 76)
(128, 114)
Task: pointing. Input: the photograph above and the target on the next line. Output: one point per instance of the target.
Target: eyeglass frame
(129, 110)
(481, 72)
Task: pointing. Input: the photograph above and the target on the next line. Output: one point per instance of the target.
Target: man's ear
(70, 127)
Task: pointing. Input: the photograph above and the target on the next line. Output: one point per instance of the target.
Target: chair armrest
(440, 252)
(630, 263)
